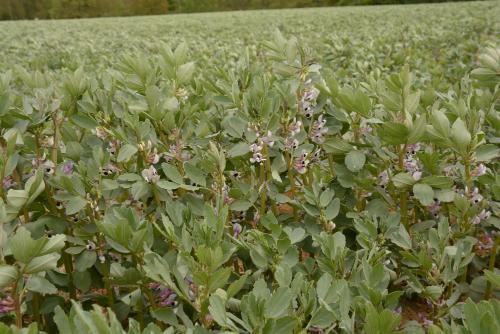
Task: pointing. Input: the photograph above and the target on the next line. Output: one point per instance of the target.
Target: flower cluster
(8, 182)
(6, 304)
(318, 130)
(67, 167)
(484, 244)
(301, 162)
(165, 297)
(256, 148)
(293, 129)
(410, 163)
(151, 155)
(308, 100)
(113, 147)
(479, 170)
(150, 175)
(483, 215)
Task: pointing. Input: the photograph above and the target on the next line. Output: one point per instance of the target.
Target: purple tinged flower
(48, 167)
(291, 143)
(8, 182)
(310, 94)
(268, 140)
(434, 208)
(476, 196)
(100, 132)
(6, 304)
(237, 230)
(113, 147)
(449, 170)
(225, 193)
(109, 169)
(479, 170)
(366, 130)
(484, 244)
(67, 167)
(412, 167)
(255, 148)
(301, 162)
(294, 127)
(164, 296)
(412, 149)
(319, 130)
(383, 179)
(150, 175)
(316, 155)
(483, 215)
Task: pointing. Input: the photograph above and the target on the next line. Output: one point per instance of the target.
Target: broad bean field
(327, 170)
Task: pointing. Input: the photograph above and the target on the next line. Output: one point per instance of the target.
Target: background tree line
(53, 9)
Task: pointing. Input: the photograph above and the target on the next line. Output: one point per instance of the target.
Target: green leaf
(172, 173)
(442, 182)
(418, 130)
(333, 209)
(84, 121)
(403, 180)
(283, 275)
(279, 302)
(240, 205)
(460, 135)
(75, 205)
(236, 286)
(42, 263)
(185, 73)
(195, 174)
(355, 160)
(487, 152)
(411, 102)
(424, 193)
(217, 310)
(85, 260)
(326, 197)
(41, 285)
(23, 247)
(167, 185)
(239, 149)
(8, 274)
(394, 133)
(127, 151)
(17, 198)
(337, 146)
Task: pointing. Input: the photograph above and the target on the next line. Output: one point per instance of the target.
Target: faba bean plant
(293, 186)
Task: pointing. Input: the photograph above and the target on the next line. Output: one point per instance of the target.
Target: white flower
(150, 175)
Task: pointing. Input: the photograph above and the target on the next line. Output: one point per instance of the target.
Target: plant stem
(491, 267)
(403, 199)
(35, 305)
(156, 196)
(56, 138)
(17, 306)
(263, 195)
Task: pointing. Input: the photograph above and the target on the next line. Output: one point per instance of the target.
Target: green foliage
(212, 174)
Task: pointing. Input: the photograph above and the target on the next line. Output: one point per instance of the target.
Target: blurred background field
(53, 9)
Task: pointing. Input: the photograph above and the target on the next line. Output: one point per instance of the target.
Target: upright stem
(68, 267)
(263, 195)
(56, 137)
(35, 305)
(17, 306)
(491, 267)
(403, 198)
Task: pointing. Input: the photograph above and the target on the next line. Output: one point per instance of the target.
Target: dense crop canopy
(305, 171)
